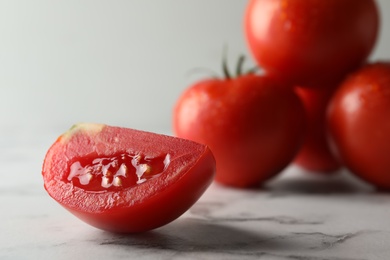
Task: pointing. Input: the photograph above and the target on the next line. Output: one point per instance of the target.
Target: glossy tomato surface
(253, 125)
(309, 42)
(315, 154)
(125, 180)
(359, 122)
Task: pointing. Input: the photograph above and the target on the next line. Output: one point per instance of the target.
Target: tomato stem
(240, 62)
(239, 69)
(225, 68)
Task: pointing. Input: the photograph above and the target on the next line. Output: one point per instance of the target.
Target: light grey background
(116, 62)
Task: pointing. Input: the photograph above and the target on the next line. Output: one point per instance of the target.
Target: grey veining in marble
(297, 216)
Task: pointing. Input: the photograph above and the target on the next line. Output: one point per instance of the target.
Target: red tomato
(359, 123)
(309, 42)
(315, 154)
(124, 180)
(252, 124)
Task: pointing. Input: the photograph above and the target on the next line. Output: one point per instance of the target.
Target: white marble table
(297, 216)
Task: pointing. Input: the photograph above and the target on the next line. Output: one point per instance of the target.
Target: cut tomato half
(125, 180)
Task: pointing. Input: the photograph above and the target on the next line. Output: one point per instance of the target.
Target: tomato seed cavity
(117, 172)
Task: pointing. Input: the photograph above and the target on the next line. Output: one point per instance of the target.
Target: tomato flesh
(116, 172)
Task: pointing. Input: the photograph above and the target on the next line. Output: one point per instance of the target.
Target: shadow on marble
(313, 183)
(195, 237)
(191, 234)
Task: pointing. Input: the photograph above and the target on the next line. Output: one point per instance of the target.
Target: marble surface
(296, 216)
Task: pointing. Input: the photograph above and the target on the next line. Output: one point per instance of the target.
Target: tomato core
(115, 172)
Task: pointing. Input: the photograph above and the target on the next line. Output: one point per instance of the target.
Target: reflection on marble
(298, 216)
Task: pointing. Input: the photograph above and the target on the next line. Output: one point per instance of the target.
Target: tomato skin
(252, 124)
(359, 124)
(310, 42)
(315, 154)
(143, 207)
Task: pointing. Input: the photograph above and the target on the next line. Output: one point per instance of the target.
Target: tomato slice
(125, 180)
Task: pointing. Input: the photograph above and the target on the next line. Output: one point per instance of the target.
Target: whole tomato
(253, 124)
(315, 154)
(359, 123)
(311, 41)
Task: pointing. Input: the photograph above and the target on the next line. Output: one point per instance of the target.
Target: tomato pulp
(125, 180)
(113, 173)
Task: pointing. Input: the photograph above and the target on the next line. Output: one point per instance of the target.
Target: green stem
(225, 68)
(240, 62)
